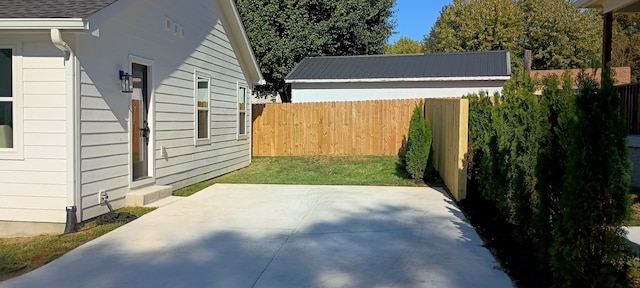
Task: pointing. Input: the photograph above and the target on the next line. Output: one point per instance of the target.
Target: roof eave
(42, 23)
(606, 5)
(240, 42)
(417, 79)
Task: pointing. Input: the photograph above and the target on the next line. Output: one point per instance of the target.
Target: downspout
(70, 63)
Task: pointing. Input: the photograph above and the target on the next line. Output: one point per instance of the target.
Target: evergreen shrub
(418, 144)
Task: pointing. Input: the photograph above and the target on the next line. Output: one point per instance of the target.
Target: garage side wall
(338, 92)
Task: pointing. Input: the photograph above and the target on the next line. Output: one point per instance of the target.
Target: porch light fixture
(126, 84)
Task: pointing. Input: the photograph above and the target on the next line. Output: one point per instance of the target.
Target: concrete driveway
(285, 236)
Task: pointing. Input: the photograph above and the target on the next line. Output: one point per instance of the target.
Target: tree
(477, 25)
(283, 32)
(557, 107)
(418, 144)
(626, 43)
(404, 45)
(589, 248)
(561, 36)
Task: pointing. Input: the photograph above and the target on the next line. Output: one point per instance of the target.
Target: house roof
(490, 65)
(621, 75)
(610, 5)
(87, 15)
(51, 8)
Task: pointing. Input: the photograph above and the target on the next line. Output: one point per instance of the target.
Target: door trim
(151, 159)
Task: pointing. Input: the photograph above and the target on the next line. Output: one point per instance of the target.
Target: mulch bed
(113, 217)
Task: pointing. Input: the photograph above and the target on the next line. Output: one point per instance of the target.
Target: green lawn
(634, 216)
(317, 170)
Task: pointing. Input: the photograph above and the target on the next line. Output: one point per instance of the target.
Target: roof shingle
(467, 64)
(51, 8)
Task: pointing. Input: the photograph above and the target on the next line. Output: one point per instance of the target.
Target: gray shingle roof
(468, 64)
(51, 8)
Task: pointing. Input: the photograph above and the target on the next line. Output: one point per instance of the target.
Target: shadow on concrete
(382, 245)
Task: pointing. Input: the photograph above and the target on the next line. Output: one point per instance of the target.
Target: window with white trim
(242, 111)
(203, 106)
(7, 99)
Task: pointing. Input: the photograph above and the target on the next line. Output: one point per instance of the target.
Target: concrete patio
(285, 236)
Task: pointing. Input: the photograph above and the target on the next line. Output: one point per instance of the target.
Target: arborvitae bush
(504, 134)
(418, 144)
(557, 109)
(589, 249)
(517, 120)
(483, 150)
(558, 169)
(479, 124)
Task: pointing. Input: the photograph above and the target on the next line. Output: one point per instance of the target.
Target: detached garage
(378, 77)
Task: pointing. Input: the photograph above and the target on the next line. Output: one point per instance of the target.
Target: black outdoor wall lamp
(126, 84)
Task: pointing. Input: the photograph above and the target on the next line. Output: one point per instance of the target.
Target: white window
(203, 106)
(6, 99)
(10, 103)
(242, 111)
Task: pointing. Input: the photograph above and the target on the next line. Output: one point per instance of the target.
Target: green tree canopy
(404, 45)
(477, 25)
(626, 43)
(283, 32)
(559, 35)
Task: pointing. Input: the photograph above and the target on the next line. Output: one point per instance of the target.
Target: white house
(377, 77)
(117, 99)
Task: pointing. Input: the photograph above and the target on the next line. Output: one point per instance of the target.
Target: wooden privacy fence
(331, 128)
(630, 96)
(364, 128)
(449, 120)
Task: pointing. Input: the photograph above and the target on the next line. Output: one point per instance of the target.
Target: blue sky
(414, 18)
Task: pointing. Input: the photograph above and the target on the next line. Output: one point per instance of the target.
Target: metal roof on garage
(488, 65)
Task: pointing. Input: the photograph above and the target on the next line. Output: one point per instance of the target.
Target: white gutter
(73, 133)
(56, 39)
(420, 79)
(42, 23)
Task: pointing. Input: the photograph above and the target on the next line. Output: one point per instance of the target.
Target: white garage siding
(33, 186)
(336, 92)
(140, 31)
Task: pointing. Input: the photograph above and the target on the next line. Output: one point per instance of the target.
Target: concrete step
(146, 195)
(164, 201)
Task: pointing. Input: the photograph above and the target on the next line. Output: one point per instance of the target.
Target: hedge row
(556, 166)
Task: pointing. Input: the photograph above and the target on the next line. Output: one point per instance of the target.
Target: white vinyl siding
(34, 182)
(140, 31)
